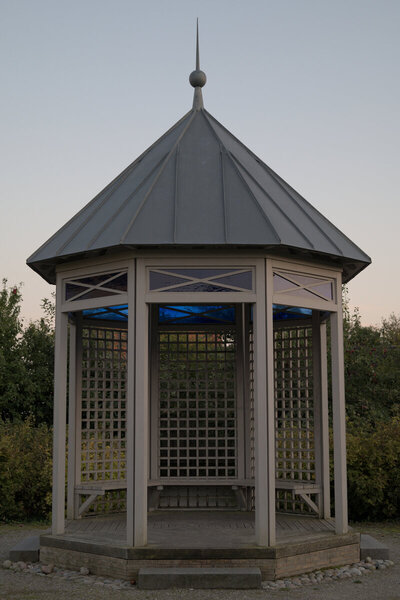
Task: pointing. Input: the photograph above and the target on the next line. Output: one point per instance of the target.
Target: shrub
(25, 471)
(373, 470)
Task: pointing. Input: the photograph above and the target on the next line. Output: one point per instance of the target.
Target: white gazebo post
(130, 409)
(339, 416)
(141, 451)
(320, 385)
(264, 412)
(71, 422)
(60, 413)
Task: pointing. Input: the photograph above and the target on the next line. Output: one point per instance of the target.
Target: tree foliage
(372, 369)
(26, 361)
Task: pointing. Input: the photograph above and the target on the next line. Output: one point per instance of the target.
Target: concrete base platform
(26, 550)
(369, 546)
(200, 578)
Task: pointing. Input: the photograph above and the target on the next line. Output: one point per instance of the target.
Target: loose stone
(7, 564)
(84, 571)
(47, 569)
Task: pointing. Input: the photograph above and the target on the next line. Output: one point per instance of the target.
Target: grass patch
(380, 526)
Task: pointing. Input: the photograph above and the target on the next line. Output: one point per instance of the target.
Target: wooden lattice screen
(103, 409)
(197, 410)
(294, 412)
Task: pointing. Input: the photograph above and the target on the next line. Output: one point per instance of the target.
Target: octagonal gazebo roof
(199, 186)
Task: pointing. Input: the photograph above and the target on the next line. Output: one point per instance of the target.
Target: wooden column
(321, 423)
(71, 422)
(141, 409)
(60, 414)
(264, 426)
(130, 409)
(270, 403)
(339, 418)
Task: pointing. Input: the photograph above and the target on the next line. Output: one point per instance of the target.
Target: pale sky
(311, 86)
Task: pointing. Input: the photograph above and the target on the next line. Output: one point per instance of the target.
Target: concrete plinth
(26, 550)
(369, 546)
(200, 578)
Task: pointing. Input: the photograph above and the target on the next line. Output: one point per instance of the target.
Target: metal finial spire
(197, 78)
(197, 47)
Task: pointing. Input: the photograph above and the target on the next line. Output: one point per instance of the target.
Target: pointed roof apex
(197, 78)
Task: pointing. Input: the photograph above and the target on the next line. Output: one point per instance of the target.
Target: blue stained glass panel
(109, 313)
(196, 314)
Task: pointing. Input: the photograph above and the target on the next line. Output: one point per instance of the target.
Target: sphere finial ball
(197, 78)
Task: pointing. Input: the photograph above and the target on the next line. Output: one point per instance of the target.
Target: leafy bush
(373, 470)
(25, 471)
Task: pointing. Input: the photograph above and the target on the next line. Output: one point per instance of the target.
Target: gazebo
(192, 301)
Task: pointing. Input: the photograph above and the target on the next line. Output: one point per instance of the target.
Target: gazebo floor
(200, 538)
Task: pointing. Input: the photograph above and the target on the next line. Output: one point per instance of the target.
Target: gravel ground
(379, 585)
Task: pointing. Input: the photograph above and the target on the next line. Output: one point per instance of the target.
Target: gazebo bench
(93, 489)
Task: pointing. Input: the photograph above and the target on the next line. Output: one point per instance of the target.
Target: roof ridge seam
(272, 200)
(325, 235)
(225, 207)
(266, 219)
(274, 175)
(279, 178)
(139, 209)
(176, 192)
(261, 211)
(108, 186)
(112, 189)
(124, 203)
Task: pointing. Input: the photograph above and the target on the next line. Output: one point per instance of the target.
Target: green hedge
(373, 468)
(25, 471)
(373, 471)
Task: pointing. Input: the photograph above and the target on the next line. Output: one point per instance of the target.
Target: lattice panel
(212, 497)
(112, 502)
(294, 412)
(251, 407)
(197, 410)
(103, 405)
(294, 404)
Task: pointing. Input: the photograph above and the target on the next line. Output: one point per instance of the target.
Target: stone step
(26, 550)
(369, 546)
(199, 578)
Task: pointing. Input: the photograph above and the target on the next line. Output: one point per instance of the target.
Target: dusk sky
(311, 86)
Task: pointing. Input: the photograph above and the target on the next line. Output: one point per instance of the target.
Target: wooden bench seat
(93, 489)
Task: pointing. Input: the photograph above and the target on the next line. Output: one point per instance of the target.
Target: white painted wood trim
(339, 421)
(199, 297)
(78, 410)
(154, 393)
(240, 395)
(141, 409)
(130, 408)
(318, 397)
(270, 463)
(60, 408)
(303, 302)
(260, 412)
(301, 267)
(115, 300)
(71, 422)
(94, 266)
(325, 425)
(246, 308)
